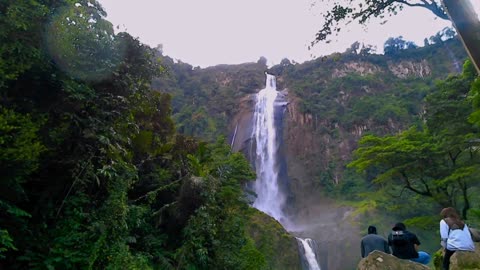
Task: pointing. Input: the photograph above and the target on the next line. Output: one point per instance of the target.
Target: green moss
(279, 248)
(437, 259)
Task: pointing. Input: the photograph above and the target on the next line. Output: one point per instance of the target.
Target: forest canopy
(94, 174)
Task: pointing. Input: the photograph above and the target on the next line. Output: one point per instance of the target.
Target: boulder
(378, 260)
(461, 260)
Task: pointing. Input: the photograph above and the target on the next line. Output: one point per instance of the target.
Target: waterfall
(270, 199)
(234, 135)
(308, 255)
(270, 190)
(457, 64)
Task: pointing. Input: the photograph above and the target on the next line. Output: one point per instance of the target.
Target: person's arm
(415, 241)
(362, 248)
(386, 247)
(444, 229)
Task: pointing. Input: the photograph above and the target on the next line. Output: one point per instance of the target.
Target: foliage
(353, 99)
(437, 162)
(362, 11)
(279, 249)
(475, 97)
(94, 174)
(395, 45)
(205, 100)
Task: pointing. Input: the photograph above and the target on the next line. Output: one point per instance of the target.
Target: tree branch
(409, 186)
(432, 6)
(413, 5)
(162, 188)
(374, 8)
(466, 202)
(427, 188)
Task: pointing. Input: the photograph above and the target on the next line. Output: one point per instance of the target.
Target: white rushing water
(270, 197)
(309, 248)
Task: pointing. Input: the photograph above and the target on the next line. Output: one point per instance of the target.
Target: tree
(460, 13)
(93, 172)
(439, 161)
(262, 61)
(367, 49)
(81, 41)
(354, 48)
(360, 11)
(394, 45)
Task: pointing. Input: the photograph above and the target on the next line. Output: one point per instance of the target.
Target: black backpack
(399, 238)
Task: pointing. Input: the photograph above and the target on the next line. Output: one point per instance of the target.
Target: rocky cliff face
(405, 69)
(241, 126)
(320, 139)
(360, 67)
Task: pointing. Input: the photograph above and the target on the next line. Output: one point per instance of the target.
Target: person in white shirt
(454, 234)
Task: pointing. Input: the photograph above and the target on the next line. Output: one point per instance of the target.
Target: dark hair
(372, 230)
(399, 227)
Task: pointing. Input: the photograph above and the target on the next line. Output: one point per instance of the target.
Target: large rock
(461, 260)
(378, 260)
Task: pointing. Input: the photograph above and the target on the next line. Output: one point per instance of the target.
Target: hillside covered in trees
(94, 174)
(115, 156)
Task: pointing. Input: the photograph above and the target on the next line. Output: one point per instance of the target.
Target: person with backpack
(372, 241)
(405, 245)
(454, 234)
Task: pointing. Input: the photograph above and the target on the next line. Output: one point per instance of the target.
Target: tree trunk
(467, 24)
(466, 202)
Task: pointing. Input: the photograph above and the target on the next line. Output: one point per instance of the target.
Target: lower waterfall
(308, 250)
(271, 190)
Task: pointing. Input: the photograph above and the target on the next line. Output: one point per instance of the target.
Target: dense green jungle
(115, 156)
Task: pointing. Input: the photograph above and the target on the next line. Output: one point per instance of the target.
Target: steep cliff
(333, 102)
(206, 101)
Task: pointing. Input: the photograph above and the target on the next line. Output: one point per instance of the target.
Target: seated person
(405, 245)
(372, 241)
(455, 235)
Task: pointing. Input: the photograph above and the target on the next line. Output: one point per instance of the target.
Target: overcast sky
(210, 32)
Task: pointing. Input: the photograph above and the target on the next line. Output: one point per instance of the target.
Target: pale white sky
(210, 32)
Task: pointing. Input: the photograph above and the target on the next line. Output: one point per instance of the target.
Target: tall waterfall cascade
(270, 190)
(269, 199)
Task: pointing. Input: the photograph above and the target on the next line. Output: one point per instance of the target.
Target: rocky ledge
(460, 260)
(378, 260)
